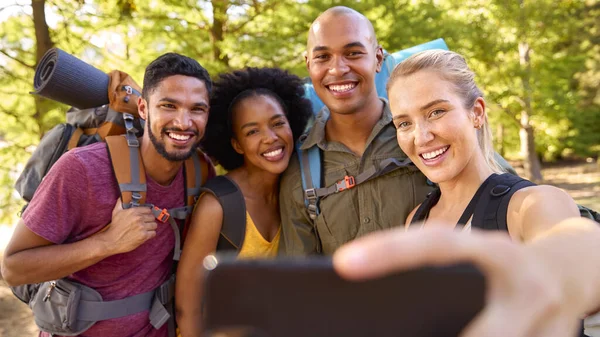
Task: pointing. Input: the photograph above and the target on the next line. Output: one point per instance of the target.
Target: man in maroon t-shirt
(59, 235)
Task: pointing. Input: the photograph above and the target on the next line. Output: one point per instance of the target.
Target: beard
(160, 147)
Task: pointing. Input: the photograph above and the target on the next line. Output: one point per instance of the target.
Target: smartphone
(290, 297)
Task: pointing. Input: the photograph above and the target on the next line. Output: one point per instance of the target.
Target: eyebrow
(424, 107)
(172, 100)
(432, 103)
(255, 124)
(349, 45)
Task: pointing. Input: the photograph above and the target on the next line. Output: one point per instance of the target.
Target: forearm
(571, 251)
(52, 262)
(189, 322)
(188, 295)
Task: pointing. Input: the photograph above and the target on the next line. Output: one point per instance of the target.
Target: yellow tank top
(255, 244)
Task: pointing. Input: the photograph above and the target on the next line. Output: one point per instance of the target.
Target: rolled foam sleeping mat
(63, 77)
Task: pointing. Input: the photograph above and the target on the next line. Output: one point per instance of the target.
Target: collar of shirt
(316, 135)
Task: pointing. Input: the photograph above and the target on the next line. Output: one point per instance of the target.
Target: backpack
(489, 205)
(66, 307)
(311, 169)
(83, 127)
(233, 229)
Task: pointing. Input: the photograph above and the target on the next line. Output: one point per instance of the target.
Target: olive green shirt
(377, 204)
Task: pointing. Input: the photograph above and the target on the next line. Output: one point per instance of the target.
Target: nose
(183, 120)
(423, 134)
(338, 66)
(269, 136)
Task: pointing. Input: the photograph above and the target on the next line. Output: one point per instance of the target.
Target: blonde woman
(542, 278)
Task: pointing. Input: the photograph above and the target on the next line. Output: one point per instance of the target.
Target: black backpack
(489, 205)
(230, 197)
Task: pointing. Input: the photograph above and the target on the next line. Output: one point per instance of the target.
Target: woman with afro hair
(256, 115)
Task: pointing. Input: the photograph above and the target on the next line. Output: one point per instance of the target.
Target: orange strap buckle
(345, 184)
(161, 215)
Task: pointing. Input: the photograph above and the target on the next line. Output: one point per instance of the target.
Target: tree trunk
(530, 160)
(216, 31)
(43, 44)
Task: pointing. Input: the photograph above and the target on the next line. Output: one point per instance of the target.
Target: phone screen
(305, 297)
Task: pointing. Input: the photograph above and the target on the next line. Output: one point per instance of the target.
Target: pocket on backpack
(55, 307)
(51, 147)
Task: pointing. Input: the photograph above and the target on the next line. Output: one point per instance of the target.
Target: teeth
(179, 137)
(343, 87)
(433, 154)
(273, 153)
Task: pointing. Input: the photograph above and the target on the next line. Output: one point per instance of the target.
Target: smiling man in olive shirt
(354, 132)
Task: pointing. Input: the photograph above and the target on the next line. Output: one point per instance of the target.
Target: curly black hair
(230, 88)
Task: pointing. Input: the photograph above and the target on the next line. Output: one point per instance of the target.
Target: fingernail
(352, 257)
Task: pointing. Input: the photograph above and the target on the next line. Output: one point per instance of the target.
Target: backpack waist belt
(65, 307)
(153, 300)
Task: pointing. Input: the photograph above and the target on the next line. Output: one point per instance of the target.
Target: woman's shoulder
(208, 206)
(534, 209)
(539, 193)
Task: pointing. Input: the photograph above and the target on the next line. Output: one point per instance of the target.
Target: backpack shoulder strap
(126, 162)
(231, 199)
(193, 178)
(423, 211)
(386, 166)
(492, 207)
(195, 174)
(310, 170)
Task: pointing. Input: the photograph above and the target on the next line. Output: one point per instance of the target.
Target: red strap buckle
(345, 184)
(163, 216)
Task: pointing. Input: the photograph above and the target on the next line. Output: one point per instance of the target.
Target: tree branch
(17, 60)
(259, 10)
(11, 74)
(9, 6)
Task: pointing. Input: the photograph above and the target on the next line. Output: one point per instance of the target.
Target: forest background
(538, 61)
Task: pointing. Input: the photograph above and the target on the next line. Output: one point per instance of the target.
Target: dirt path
(581, 181)
(15, 317)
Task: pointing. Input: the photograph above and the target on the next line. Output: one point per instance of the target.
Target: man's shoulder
(89, 158)
(92, 152)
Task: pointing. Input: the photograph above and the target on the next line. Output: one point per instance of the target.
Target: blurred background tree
(538, 61)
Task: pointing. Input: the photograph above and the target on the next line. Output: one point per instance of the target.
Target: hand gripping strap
(126, 162)
(233, 229)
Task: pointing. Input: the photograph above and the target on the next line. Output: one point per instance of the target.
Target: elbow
(8, 274)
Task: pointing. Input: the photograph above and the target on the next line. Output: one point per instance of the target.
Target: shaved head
(342, 58)
(334, 13)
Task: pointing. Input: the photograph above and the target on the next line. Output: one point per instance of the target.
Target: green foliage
(563, 35)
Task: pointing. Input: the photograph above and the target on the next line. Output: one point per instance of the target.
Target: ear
(236, 146)
(379, 56)
(306, 60)
(479, 114)
(142, 108)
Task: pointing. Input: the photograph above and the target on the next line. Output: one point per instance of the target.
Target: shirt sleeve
(56, 207)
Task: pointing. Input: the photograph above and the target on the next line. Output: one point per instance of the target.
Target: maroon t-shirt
(74, 201)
